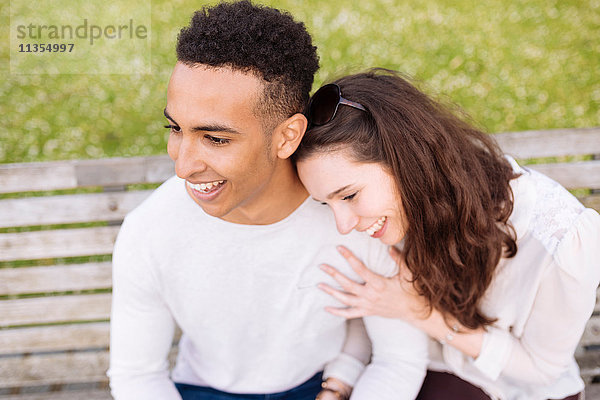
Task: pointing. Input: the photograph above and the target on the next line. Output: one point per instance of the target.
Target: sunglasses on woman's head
(324, 104)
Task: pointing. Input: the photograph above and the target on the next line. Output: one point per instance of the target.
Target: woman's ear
(288, 134)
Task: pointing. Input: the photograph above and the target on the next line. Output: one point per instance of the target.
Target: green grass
(512, 65)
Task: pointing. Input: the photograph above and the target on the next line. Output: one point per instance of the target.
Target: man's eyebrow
(169, 117)
(206, 128)
(215, 128)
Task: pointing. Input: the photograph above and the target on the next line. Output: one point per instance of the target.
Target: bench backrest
(55, 269)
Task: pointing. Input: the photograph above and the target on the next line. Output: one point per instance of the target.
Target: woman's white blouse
(542, 298)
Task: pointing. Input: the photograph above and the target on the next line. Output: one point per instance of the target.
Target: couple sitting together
(365, 243)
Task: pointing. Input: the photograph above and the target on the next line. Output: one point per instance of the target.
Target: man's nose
(189, 158)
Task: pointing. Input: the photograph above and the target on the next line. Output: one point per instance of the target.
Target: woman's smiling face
(361, 195)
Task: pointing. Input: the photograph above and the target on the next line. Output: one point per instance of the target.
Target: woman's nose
(345, 221)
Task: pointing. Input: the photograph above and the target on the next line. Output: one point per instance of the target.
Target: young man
(229, 249)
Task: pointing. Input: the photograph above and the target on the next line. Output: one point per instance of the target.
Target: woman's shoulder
(555, 213)
(549, 219)
(552, 214)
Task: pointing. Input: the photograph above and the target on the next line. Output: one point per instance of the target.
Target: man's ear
(288, 134)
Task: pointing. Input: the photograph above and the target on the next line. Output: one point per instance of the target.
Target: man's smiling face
(218, 141)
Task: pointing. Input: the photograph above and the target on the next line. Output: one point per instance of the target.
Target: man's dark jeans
(306, 391)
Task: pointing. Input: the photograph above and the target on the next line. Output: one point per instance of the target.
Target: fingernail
(342, 250)
(325, 268)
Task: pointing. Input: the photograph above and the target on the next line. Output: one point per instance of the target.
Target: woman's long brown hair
(452, 181)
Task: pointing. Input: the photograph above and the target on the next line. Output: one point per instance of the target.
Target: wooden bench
(55, 282)
(58, 222)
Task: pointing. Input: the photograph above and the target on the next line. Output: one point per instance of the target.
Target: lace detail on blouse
(554, 213)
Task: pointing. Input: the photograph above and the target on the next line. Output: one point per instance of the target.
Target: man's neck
(282, 196)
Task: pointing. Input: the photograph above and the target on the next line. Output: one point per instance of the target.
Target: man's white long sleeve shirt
(246, 299)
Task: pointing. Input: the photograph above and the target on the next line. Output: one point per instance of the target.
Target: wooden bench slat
(60, 368)
(94, 207)
(592, 392)
(589, 364)
(55, 309)
(69, 209)
(58, 243)
(37, 176)
(550, 143)
(91, 366)
(96, 394)
(591, 201)
(54, 338)
(44, 369)
(23, 177)
(55, 278)
(583, 174)
(591, 335)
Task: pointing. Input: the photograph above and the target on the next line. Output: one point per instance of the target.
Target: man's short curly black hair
(260, 40)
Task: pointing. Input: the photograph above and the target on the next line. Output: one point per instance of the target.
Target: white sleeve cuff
(495, 352)
(345, 368)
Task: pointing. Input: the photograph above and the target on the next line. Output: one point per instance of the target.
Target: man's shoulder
(169, 193)
(369, 250)
(163, 207)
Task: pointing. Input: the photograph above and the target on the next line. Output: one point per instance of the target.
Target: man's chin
(213, 211)
(209, 209)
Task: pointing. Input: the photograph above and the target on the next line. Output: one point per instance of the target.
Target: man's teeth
(205, 187)
(376, 226)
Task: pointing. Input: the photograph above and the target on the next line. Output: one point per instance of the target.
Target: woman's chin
(388, 239)
(391, 237)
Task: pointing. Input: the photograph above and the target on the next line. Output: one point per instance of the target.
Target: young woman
(497, 263)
